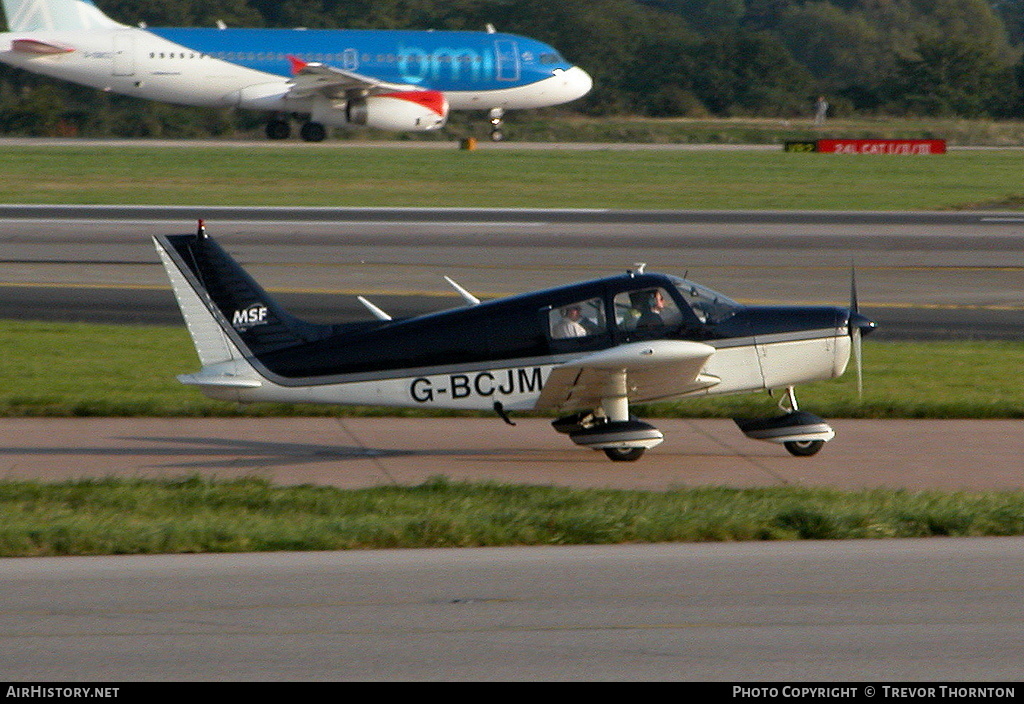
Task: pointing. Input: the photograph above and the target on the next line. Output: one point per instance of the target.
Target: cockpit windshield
(709, 306)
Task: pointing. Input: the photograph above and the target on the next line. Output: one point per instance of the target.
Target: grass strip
(387, 177)
(192, 514)
(83, 369)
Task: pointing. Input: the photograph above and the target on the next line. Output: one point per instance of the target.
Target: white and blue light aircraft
(584, 351)
(399, 80)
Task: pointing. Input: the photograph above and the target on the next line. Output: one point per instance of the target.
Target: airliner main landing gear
(313, 132)
(278, 128)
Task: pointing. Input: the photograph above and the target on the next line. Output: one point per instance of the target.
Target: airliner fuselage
(391, 79)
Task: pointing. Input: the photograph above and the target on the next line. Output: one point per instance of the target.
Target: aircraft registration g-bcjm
(388, 79)
(585, 351)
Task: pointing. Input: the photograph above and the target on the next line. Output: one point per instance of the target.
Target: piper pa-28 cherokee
(388, 79)
(586, 350)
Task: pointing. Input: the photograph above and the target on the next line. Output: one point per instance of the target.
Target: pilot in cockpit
(648, 309)
(653, 303)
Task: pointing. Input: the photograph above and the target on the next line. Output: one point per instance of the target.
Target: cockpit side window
(579, 319)
(646, 309)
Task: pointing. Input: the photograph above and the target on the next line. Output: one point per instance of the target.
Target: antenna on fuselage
(490, 28)
(466, 295)
(377, 312)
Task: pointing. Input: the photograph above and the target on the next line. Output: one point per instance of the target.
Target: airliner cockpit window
(709, 306)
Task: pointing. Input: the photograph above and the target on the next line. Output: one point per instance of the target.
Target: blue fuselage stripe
(446, 61)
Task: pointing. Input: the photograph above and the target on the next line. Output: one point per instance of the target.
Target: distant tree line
(950, 58)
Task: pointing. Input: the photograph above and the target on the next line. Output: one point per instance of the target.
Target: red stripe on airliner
(297, 63)
(432, 99)
(34, 46)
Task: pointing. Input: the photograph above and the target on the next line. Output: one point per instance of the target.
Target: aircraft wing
(311, 78)
(643, 371)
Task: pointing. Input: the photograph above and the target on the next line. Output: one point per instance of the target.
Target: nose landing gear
(496, 115)
(802, 434)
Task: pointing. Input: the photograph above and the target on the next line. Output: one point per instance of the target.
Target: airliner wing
(642, 371)
(311, 78)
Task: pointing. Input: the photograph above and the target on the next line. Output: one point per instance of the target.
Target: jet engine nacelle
(402, 111)
(406, 111)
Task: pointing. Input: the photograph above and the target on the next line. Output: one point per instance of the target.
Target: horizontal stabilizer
(222, 381)
(34, 46)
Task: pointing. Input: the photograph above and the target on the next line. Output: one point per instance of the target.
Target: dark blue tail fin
(251, 319)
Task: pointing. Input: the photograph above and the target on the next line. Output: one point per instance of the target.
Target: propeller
(859, 325)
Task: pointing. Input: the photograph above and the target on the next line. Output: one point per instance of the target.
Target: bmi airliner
(399, 80)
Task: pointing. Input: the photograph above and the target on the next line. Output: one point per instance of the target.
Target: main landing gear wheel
(624, 454)
(278, 129)
(803, 448)
(313, 132)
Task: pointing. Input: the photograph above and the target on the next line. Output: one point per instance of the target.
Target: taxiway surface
(362, 452)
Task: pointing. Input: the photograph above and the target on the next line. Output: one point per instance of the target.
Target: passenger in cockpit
(570, 325)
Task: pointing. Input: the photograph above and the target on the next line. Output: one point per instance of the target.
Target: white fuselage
(135, 62)
(773, 363)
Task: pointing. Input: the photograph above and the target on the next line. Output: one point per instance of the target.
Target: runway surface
(886, 612)
(921, 275)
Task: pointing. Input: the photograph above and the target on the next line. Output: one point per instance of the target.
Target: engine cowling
(405, 111)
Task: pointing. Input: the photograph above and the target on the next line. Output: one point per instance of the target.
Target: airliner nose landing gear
(496, 115)
(802, 434)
